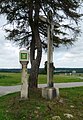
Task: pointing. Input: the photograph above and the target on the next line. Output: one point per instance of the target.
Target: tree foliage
(18, 13)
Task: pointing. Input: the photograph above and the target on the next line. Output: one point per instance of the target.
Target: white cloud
(72, 57)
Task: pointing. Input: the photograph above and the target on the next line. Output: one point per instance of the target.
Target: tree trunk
(35, 63)
(35, 45)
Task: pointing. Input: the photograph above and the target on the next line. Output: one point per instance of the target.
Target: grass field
(10, 79)
(37, 108)
(60, 79)
(15, 79)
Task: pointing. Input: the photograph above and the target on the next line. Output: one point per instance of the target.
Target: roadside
(11, 89)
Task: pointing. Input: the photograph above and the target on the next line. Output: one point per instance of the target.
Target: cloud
(9, 53)
(72, 57)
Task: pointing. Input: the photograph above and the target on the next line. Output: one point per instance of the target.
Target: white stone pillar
(24, 60)
(24, 81)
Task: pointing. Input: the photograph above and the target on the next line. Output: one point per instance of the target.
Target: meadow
(70, 103)
(7, 78)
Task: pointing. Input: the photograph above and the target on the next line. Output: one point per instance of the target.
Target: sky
(63, 57)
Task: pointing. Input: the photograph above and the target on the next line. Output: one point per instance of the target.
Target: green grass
(10, 79)
(63, 78)
(7, 79)
(37, 108)
(59, 79)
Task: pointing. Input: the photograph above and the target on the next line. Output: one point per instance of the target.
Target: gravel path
(11, 89)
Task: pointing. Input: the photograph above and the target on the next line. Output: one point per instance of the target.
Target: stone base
(50, 93)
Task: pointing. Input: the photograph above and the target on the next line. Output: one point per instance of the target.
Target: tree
(29, 30)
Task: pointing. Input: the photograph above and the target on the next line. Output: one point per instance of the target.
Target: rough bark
(35, 63)
(35, 45)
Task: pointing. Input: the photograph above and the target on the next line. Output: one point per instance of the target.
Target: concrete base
(50, 93)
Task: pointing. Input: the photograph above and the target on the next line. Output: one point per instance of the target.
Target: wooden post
(50, 92)
(50, 51)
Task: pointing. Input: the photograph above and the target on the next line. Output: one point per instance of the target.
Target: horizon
(43, 68)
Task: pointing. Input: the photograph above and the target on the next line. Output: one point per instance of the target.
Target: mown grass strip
(7, 79)
(37, 108)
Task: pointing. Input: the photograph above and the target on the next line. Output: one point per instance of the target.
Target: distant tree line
(42, 70)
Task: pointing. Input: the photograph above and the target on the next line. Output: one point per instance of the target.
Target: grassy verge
(15, 79)
(37, 108)
(10, 79)
(59, 79)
